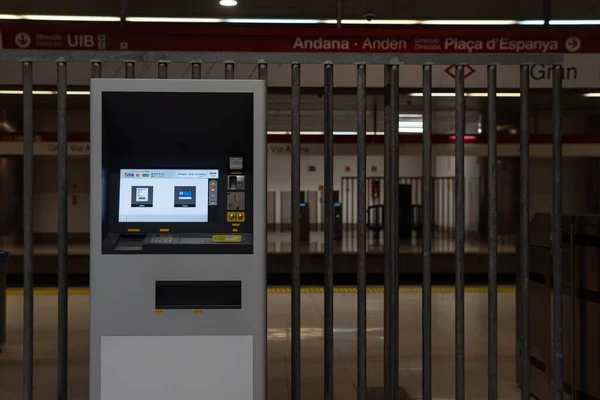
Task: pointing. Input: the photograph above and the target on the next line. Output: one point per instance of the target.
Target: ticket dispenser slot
(130, 242)
(198, 295)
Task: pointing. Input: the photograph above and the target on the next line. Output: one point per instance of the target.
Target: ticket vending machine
(178, 240)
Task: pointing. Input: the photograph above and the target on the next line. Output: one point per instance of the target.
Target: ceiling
(351, 9)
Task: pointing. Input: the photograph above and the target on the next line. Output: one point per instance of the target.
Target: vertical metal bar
(295, 231)
(492, 239)
(62, 231)
(129, 70)
(547, 11)
(229, 70)
(524, 236)
(427, 213)
(361, 161)
(124, 4)
(442, 202)
(27, 231)
(262, 71)
(557, 261)
(162, 70)
(449, 193)
(573, 315)
(329, 211)
(387, 190)
(459, 216)
(345, 186)
(96, 69)
(196, 70)
(394, 113)
(352, 205)
(447, 189)
(391, 231)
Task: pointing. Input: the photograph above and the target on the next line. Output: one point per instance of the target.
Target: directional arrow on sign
(468, 71)
(23, 40)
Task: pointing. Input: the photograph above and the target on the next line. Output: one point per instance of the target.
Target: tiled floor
(280, 242)
(279, 354)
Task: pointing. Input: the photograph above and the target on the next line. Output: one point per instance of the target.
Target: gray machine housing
(141, 348)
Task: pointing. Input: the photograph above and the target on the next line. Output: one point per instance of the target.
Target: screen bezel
(217, 222)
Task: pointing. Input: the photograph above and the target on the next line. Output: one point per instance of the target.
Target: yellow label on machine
(236, 216)
(227, 238)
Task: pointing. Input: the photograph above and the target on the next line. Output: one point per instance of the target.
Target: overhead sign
(509, 40)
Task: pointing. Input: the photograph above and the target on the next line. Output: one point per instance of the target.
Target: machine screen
(167, 195)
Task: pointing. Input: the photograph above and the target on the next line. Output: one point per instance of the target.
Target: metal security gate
(390, 202)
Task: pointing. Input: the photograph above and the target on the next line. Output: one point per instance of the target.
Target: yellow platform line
(287, 290)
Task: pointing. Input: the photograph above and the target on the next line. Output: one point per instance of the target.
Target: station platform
(281, 243)
(312, 257)
(279, 343)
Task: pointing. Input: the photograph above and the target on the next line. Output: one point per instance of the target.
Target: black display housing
(176, 130)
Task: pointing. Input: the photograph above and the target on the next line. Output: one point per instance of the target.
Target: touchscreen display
(166, 195)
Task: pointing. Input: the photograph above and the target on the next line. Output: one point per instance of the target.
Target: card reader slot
(131, 242)
(185, 295)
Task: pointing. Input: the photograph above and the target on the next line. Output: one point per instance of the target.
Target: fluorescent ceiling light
(272, 21)
(575, 22)
(374, 21)
(349, 133)
(410, 123)
(501, 94)
(474, 94)
(47, 92)
(410, 130)
(437, 94)
(531, 22)
(174, 20)
(81, 18)
(228, 3)
(591, 95)
(468, 22)
(21, 92)
(44, 92)
(78, 92)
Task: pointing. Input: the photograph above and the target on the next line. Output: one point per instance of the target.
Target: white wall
(45, 198)
(279, 179)
(445, 167)
(579, 186)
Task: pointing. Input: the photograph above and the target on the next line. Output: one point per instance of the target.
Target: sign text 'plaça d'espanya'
(448, 44)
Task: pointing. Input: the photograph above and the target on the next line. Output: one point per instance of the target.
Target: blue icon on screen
(185, 195)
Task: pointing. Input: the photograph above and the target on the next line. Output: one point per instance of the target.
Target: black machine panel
(205, 131)
(182, 295)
